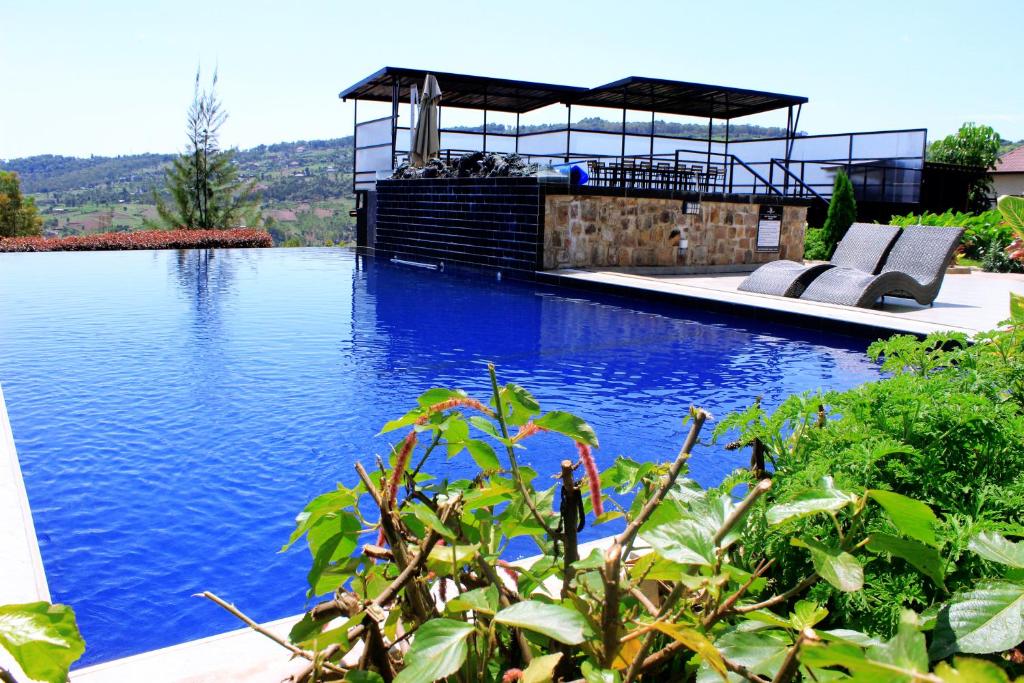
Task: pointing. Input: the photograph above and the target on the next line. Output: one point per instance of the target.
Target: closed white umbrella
(428, 138)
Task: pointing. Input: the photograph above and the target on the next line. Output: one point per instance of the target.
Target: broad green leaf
(409, 418)
(554, 621)
(694, 641)
(483, 600)
(806, 614)
(624, 474)
(923, 558)
(768, 617)
(438, 650)
(996, 548)
(306, 628)
(456, 433)
(316, 509)
(1016, 308)
(595, 560)
(485, 426)
(970, 670)
(906, 650)
(684, 541)
(987, 618)
(43, 639)
(431, 397)
(839, 568)
(912, 517)
(443, 557)
(334, 636)
(362, 677)
(333, 540)
(498, 492)
(846, 635)
(327, 578)
(483, 455)
(655, 568)
(342, 528)
(568, 425)
(819, 654)
(1012, 209)
(541, 669)
(592, 674)
(521, 404)
(826, 498)
(761, 652)
(431, 520)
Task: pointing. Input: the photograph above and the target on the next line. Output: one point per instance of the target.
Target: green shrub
(842, 212)
(946, 429)
(979, 229)
(814, 245)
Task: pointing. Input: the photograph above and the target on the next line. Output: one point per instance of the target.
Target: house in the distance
(1008, 176)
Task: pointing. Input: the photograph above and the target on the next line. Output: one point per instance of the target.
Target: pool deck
(969, 302)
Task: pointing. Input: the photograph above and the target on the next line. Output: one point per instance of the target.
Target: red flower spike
(401, 462)
(528, 429)
(512, 675)
(454, 403)
(593, 477)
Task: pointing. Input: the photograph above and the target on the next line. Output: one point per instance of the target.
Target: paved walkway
(970, 302)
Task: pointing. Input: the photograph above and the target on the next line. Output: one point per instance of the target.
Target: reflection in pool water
(174, 410)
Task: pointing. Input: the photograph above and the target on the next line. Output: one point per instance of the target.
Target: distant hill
(305, 186)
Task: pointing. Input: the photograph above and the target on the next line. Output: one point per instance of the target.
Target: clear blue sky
(115, 76)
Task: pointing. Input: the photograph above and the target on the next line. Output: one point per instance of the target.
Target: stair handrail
(781, 164)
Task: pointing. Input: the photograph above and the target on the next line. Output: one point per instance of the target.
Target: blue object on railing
(577, 176)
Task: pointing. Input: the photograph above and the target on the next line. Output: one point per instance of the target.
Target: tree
(18, 215)
(203, 182)
(972, 145)
(842, 212)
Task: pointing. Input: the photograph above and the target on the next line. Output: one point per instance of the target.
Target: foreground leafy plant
(43, 639)
(682, 591)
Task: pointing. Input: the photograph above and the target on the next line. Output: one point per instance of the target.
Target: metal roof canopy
(462, 90)
(685, 99)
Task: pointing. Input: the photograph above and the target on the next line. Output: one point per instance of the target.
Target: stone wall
(584, 231)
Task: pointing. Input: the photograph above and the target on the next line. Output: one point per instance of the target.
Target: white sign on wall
(769, 228)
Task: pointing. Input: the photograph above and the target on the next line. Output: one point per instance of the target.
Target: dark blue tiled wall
(490, 222)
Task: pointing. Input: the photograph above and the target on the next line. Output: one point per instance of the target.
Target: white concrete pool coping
(23, 577)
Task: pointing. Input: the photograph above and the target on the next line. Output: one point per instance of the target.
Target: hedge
(142, 239)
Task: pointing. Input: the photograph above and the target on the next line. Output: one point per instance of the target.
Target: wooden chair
(645, 173)
(629, 173)
(663, 175)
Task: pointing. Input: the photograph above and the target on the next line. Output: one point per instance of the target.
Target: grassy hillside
(305, 189)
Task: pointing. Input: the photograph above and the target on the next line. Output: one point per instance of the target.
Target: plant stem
(570, 499)
(516, 477)
(264, 632)
(613, 556)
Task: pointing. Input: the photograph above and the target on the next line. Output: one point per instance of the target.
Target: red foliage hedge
(142, 239)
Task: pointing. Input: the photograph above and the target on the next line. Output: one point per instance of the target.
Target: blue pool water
(174, 410)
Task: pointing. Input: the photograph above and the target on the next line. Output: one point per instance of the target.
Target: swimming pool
(173, 411)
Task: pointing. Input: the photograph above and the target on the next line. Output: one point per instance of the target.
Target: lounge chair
(863, 249)
(914, 269)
